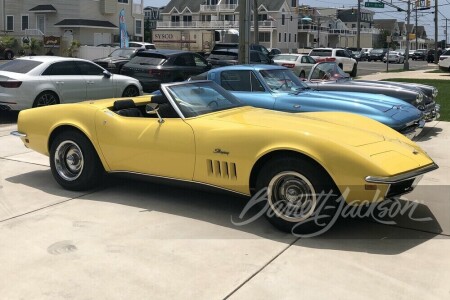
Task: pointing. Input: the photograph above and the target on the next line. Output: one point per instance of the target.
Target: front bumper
(431, 112)
(414, 129)
(402, 183)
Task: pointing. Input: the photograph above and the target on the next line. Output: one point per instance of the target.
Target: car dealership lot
(138, 240)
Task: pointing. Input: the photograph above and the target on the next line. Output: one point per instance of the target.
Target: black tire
(9, 55)
(302, 74)
(46, 98)
(85, 171)
(130, 91)
(294, 171)
(354, 70)
(369, 60)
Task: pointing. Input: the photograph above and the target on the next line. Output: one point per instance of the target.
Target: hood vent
(221, 169)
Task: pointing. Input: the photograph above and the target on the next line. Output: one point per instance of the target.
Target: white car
(444, 61)
(342, 57)
(394, 57)
(141, 45)
(45, 80)
(300, 64)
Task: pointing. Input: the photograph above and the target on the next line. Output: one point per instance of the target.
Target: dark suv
(377, 54)
(221, 58)
(152, 68)
(420, 54)
(254, 47)
(117, 59)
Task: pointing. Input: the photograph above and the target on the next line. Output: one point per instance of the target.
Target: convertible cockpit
(128, 108)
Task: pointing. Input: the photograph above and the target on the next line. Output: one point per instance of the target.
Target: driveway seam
(25, 162)
(42, 208)
(260, 269)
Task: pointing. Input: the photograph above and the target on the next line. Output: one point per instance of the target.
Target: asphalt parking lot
(140, 240)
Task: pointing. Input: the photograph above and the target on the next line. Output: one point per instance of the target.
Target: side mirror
(152, 109)
(107, 74)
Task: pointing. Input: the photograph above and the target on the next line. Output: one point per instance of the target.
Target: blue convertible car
(276, 87)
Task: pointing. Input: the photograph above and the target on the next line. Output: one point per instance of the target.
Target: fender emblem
(220, 151)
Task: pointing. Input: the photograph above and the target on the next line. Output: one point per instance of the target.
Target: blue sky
(425, 18)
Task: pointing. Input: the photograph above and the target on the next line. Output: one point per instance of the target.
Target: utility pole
(446, 33)
(436, 59)
(358, 25)
(318, 31)
(255, 23)
(244, 26)
(408, 19)
(417, 47)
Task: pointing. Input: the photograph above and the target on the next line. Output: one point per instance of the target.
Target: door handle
(297, 106)
(59, 82)
(89, 82)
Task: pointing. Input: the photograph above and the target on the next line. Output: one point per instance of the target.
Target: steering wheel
(213, 104)
(326, 76)
(285, 83)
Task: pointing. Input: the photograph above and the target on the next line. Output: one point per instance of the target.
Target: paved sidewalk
(420, 74)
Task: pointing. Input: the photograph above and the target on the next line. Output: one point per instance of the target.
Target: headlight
(435, 93)
(111, 65)
(419, 98)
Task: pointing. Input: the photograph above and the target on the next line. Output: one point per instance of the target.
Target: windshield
(223, 55)
(327, 71)
(199, 98)
(282, 80)
(127, 53)
(148, 60)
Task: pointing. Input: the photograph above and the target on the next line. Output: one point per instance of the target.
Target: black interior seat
(127, 108)
(166, 109)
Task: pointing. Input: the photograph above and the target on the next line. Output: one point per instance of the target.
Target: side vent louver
(221, 169)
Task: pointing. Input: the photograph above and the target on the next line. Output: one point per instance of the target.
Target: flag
(123, 29)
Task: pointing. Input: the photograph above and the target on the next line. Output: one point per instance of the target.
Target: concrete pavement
(138, 240)
(425, 74)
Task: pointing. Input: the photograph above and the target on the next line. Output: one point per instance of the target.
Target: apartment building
(152, 15)
(277, 19)
(398, 31)
(91, 22)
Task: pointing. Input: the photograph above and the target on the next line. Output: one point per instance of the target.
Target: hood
(360, 100)
(351, 129)
(111, 59)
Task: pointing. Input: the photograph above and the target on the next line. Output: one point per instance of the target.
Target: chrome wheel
(46, 99)
(69, 161)
(291, 196)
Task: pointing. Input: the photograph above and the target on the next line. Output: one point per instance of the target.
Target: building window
(123, 1)
(138, 27)
(285, 37)
(279, 37)
(175, 19)
(9, 23)
(294, 3)
(25, 22)
(289, 37)
(187, 20)
(295, 38)
(264, 36)
(206, 18)
(282, 19)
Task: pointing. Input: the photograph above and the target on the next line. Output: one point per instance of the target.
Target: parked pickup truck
(341, 56)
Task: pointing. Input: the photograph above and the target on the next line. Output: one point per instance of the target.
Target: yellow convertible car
(200, 133)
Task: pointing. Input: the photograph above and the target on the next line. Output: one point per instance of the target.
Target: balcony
(210, 24)
(218, 8)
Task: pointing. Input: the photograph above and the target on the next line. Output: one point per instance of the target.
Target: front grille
(223, 169)
(400, 188)
(4, 107)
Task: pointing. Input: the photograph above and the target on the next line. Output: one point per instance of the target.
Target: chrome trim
(402, 177)
(18, 133)
(182, 180)
(164, 89)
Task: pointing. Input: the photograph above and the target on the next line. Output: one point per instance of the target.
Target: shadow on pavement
(428, 133)
(349, 234)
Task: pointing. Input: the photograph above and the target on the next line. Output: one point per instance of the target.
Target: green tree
(147, 31)
(33, 45)
(381, 41)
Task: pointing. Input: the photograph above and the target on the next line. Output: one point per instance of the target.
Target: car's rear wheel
(46, 98)
(302, 74)
(9, 55)
(74, 162)
(297, 191)
(354, 70)
(130, 91)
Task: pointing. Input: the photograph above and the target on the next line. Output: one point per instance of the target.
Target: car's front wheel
(9, 55)
(74, 162)
(354, 70)
(130, 91)
(301, 197)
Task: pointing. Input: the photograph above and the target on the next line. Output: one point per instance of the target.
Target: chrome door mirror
(152, 109)
(107, 74)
